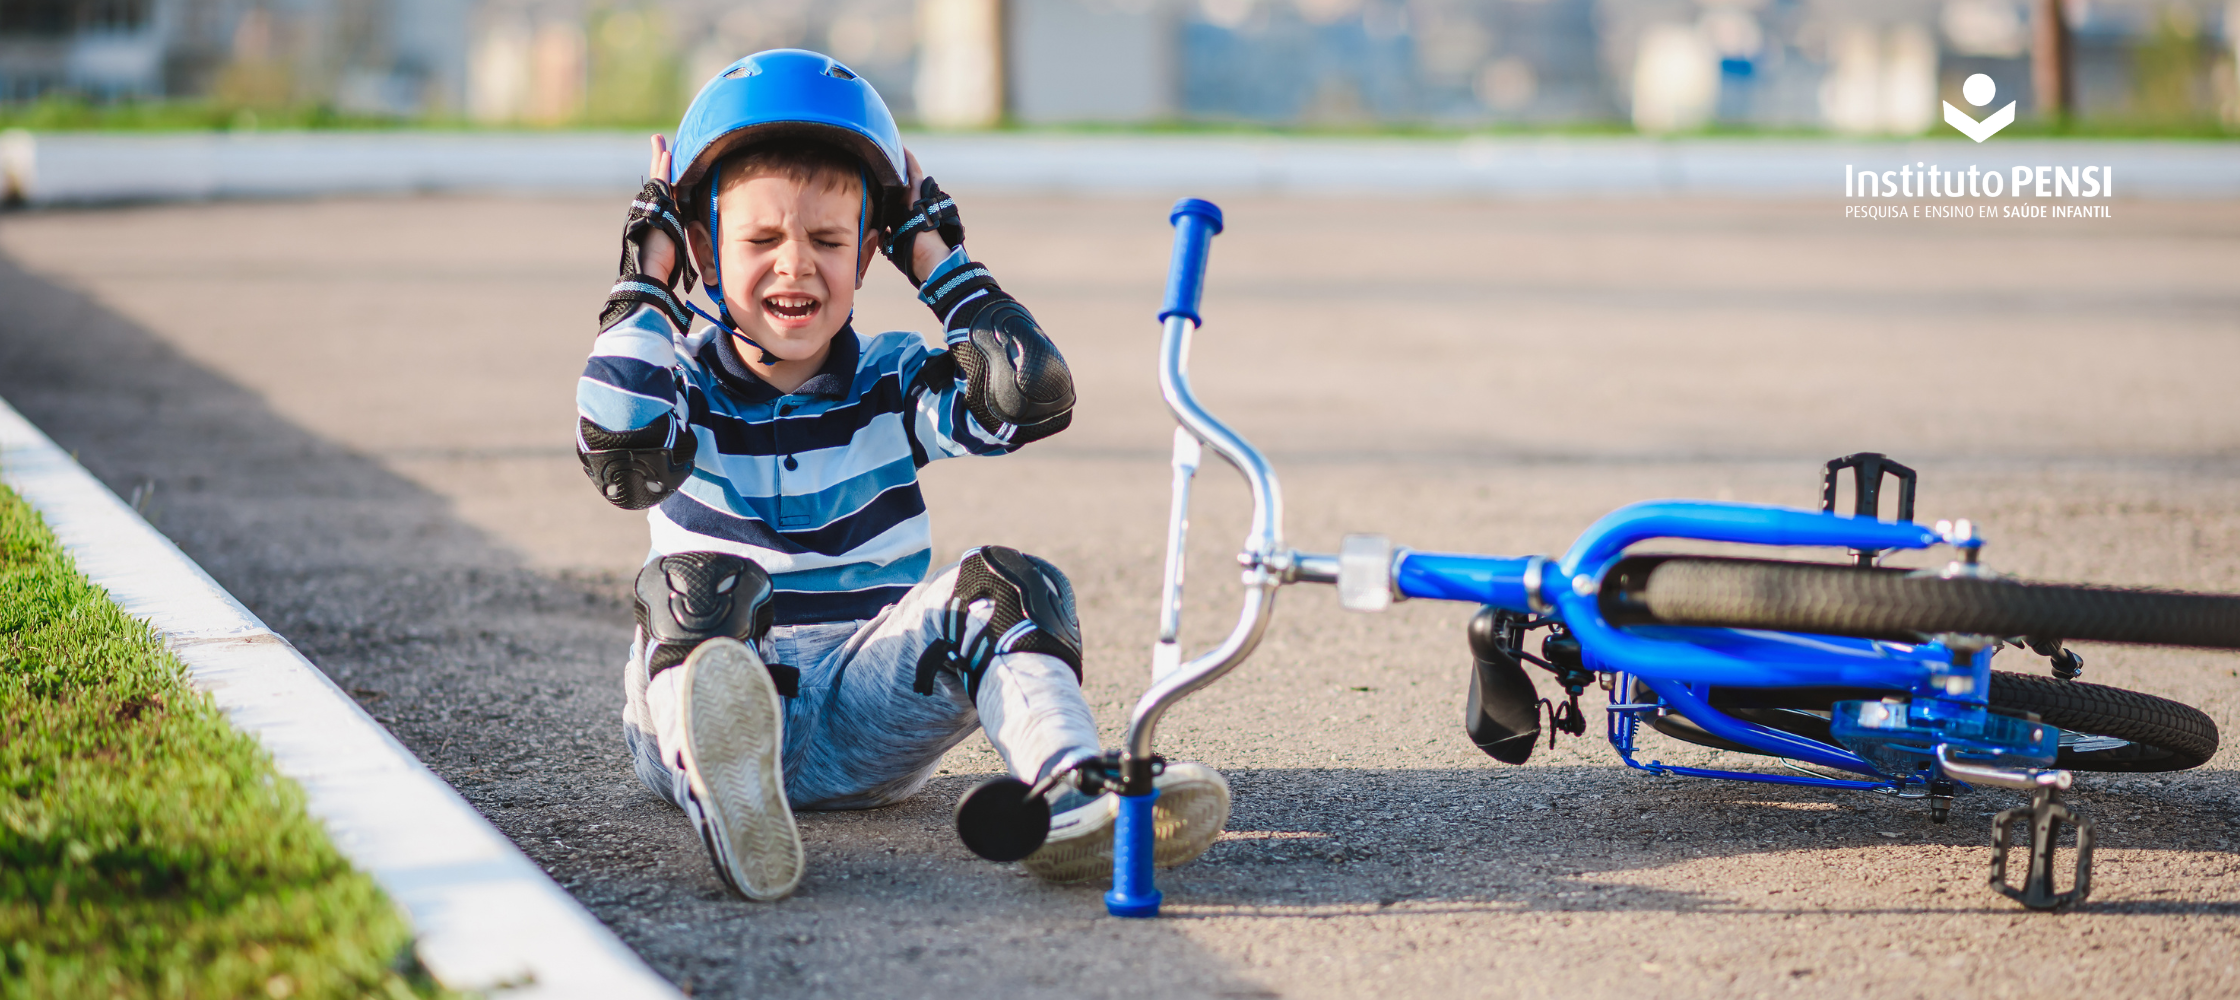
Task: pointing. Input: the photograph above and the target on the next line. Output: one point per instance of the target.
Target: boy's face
(791, 259)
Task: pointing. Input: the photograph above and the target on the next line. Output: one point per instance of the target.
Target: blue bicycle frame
(1948, 679)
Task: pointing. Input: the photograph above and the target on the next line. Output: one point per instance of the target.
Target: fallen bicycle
(1877, 672)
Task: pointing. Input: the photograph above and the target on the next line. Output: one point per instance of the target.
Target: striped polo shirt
(819, 485)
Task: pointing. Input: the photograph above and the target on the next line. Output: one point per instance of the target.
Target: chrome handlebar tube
(1265, 560)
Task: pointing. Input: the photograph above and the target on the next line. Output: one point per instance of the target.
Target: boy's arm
(629, 433)
(1000, 369)
(631, 438)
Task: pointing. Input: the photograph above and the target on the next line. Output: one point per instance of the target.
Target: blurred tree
(2052, 61)
(2169, 69)
(556, 73)
(634, 68)
(259, 76)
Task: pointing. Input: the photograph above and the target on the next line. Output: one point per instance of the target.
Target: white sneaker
(733, 726)
(1189, 815)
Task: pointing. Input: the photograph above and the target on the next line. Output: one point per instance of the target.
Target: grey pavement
(356, 414)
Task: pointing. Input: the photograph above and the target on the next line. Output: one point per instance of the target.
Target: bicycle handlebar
(1267, 564)
(1196, 222)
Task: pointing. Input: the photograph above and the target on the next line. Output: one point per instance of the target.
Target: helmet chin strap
(715, 270)
(863, 228)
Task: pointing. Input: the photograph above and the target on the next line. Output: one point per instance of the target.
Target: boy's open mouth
(791, 307)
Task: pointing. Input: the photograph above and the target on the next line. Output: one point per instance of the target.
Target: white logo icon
(1979, 90)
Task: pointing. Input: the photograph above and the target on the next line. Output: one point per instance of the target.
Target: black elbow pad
(636, 469)
(1013, 373)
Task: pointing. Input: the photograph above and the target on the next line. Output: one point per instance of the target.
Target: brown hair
(801, 162)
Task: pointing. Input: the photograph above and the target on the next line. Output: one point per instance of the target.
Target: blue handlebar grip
(1134, 893)
(1196, 221)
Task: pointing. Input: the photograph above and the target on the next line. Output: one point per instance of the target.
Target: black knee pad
(690, 597)
(1034, 612)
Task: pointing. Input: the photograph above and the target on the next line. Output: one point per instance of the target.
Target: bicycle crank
(2046, 815)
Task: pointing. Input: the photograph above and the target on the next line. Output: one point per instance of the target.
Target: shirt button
(786, 410)
(791, 464)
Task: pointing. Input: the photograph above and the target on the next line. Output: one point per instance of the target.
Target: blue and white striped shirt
(820, 485)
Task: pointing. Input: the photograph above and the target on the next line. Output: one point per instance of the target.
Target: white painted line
(487, 918)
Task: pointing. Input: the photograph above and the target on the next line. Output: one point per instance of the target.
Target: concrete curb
(487, 918)
(94, 168)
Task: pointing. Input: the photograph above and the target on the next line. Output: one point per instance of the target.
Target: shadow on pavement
(1591, 838)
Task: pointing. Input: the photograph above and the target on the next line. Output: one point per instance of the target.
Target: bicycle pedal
(2046, 816)
(1867, 471)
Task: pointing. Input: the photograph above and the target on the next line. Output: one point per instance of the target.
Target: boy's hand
(930, 227)
(657, 256)
(653, 233)
(653, 266)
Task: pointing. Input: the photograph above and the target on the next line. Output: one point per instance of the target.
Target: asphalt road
(356, 415)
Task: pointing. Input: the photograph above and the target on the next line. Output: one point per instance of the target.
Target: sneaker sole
(733, 727)
(1191, 812)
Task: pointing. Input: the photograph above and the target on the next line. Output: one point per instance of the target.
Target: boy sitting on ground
(791, 652)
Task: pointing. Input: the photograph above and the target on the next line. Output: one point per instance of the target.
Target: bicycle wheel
(2102, 728)
(1898, 604)
(2110, 729)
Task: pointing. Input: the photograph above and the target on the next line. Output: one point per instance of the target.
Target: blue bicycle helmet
(779, 94)
(789, 93)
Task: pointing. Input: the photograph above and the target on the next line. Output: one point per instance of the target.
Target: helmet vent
(749, 69)
(839, 72)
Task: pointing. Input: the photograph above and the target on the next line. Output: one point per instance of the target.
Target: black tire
(2113, 729)
(1897, 604)
(2103, 728)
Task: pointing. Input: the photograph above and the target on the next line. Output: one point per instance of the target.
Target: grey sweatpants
(857, 736)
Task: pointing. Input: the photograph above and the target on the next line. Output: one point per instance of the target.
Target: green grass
(63, 113)
(147, 848)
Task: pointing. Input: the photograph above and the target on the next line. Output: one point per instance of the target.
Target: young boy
(791, 652)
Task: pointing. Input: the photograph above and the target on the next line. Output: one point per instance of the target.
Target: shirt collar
(831, 381)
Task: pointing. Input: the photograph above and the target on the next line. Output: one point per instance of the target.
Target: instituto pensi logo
(1979, 193)
(1979, 90)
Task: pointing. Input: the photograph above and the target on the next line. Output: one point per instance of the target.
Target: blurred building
(370, 56)
(1856, 66)
(1102, 61)
(585, 61)
(1666, 65)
